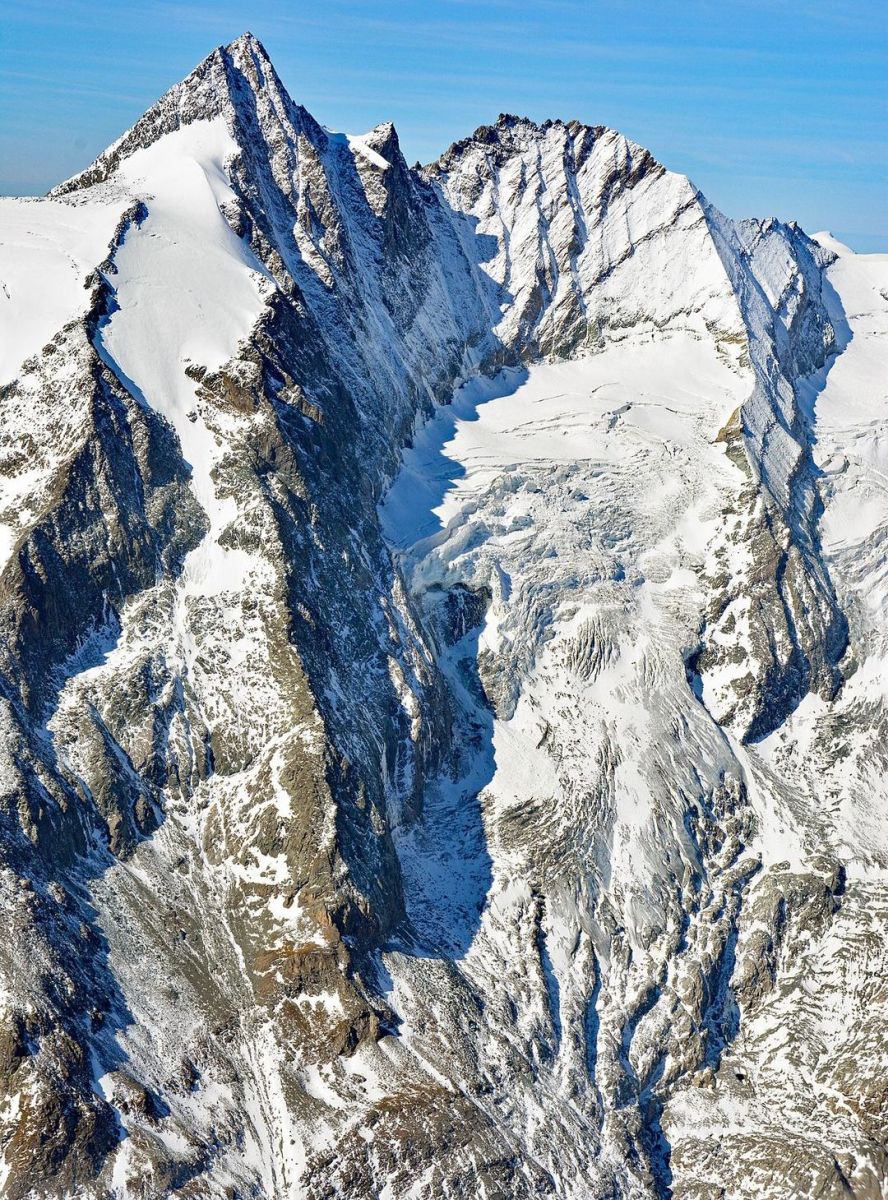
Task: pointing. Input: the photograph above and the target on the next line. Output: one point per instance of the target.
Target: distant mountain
(442, 682)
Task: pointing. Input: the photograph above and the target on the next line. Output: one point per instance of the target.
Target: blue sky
(772, 107)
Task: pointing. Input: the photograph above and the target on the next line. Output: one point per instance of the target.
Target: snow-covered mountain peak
(442, 672)
(236, 82)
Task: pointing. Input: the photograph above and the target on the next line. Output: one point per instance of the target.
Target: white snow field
(47, 250)
(584, 495)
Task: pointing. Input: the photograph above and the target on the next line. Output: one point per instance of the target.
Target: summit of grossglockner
(442, 674)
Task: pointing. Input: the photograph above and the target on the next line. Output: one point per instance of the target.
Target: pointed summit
(227, 79)
(246, 42)
(248, 56)
(383, 138)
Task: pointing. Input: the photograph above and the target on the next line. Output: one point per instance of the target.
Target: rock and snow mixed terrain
(445, 625)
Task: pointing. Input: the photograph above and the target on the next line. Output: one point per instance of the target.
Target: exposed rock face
(490, 820)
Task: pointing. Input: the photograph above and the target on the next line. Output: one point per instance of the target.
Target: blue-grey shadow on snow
(408, 513)
(446, 869)
(445, 864)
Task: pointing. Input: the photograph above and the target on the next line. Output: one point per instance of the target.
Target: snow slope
(47, 251)
(187, 283)
(850, 422)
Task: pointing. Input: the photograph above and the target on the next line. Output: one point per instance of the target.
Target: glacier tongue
(582, 505)
(442, 674)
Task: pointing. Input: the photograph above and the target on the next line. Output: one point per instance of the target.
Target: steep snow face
(185, 282)
(448, 822)
(850, 409)
(839, 748)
